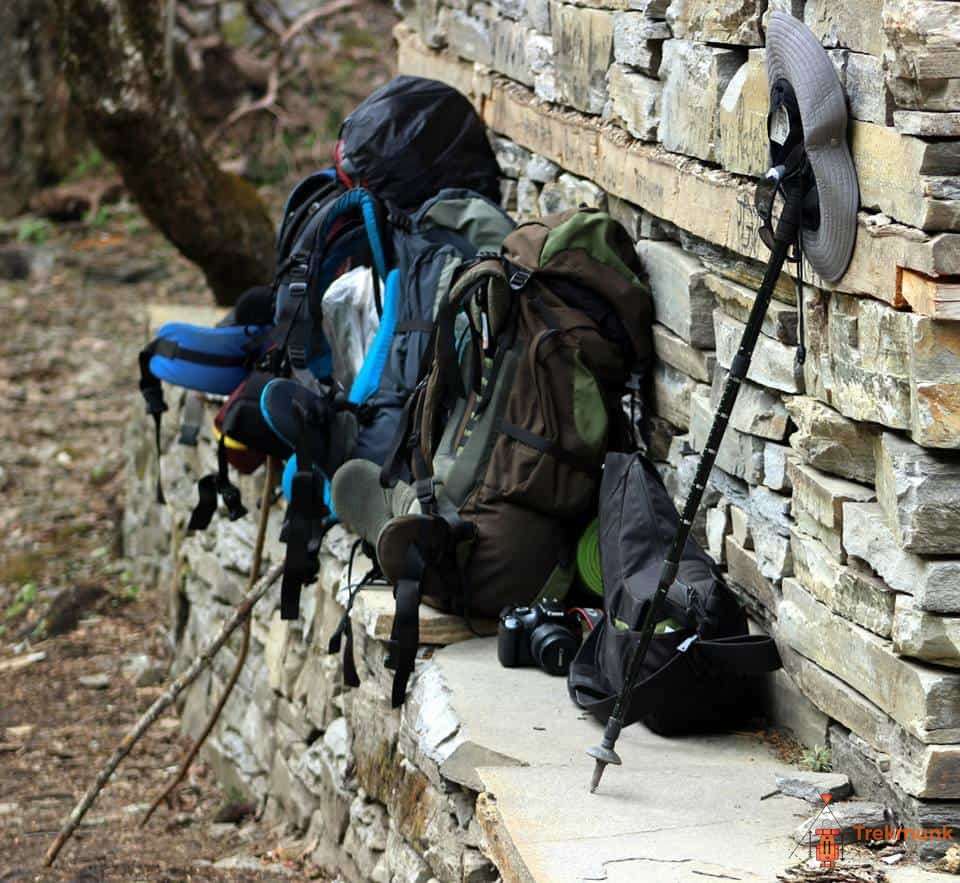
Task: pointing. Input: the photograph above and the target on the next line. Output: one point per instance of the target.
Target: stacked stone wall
(835, 505)
(358, 782)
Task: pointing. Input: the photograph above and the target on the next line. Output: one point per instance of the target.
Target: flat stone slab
(812, 786)
(375, 609)
(693, 802)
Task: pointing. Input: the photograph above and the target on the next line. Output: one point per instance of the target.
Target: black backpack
(399, 152)
(703, 671)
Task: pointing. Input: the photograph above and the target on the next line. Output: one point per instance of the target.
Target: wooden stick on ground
(186, 678)
(265, 501)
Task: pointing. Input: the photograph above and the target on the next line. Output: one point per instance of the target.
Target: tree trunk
(38, 140)
(114, 53)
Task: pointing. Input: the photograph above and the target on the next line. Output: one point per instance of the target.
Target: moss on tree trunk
(114, 56)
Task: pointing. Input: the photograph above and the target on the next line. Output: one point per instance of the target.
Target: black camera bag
(706, 673)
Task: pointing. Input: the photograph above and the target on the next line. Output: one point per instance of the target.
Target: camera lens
(553, 648)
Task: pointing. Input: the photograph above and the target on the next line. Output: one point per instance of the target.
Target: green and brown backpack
(505, 435)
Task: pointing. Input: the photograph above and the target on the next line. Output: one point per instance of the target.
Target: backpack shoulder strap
(439, 377)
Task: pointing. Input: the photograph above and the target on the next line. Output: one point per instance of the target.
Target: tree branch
(186, 678)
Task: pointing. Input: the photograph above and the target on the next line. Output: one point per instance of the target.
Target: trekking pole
(786, 234)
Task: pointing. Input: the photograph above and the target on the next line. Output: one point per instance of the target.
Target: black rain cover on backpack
(412, 138)
(701, 671)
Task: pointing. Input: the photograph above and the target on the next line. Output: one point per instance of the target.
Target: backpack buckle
(426, 494)
(519, 278)
(153, 396)
(399, 219)
(233, 501)
(297, 289)
(298, 356)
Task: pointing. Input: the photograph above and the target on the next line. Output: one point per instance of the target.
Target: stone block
(926, 95)
(736, 22)
(541, 170)
(538, 15)
(831, 442)
(869, 361)
(679, 354)
(681, 298)
(923, 40)
(758, 411)
(511, 157)
(510, 50)
(718, 525)
(634, 101)
(848, 817)
(469, 34)
(540, 54)
(404, 862)
(820, 497)
(868, 97)
(672, 391)
(656, 9)
(740, 454)
(638, 40)
(545, 86)
(744, 573)
(934, 360)
(638, 223)
(508, 195)
(662, 433)
(888, 167)
(856, 596)
(695, 77)
(919, 698)
(583, 50)
(934, 583)
(430, 18)
(528, 200)
(776, 463)
(769, 518)
(773, 362)
(514, 9)
(779, 321)
(555, 197)
(740, 527)
(742, 120)
(927, 636)
(366, 837)
(297, 802)
(927, 124)
(928, 296)
(919, 491)
(899, 760)
(852, 25)
(812, 786)
(375, 727)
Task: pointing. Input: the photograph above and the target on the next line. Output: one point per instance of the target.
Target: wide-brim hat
(794, 54)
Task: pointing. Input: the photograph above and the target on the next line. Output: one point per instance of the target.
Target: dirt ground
(83, 648)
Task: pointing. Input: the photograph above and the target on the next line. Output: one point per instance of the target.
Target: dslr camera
(543, 635)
